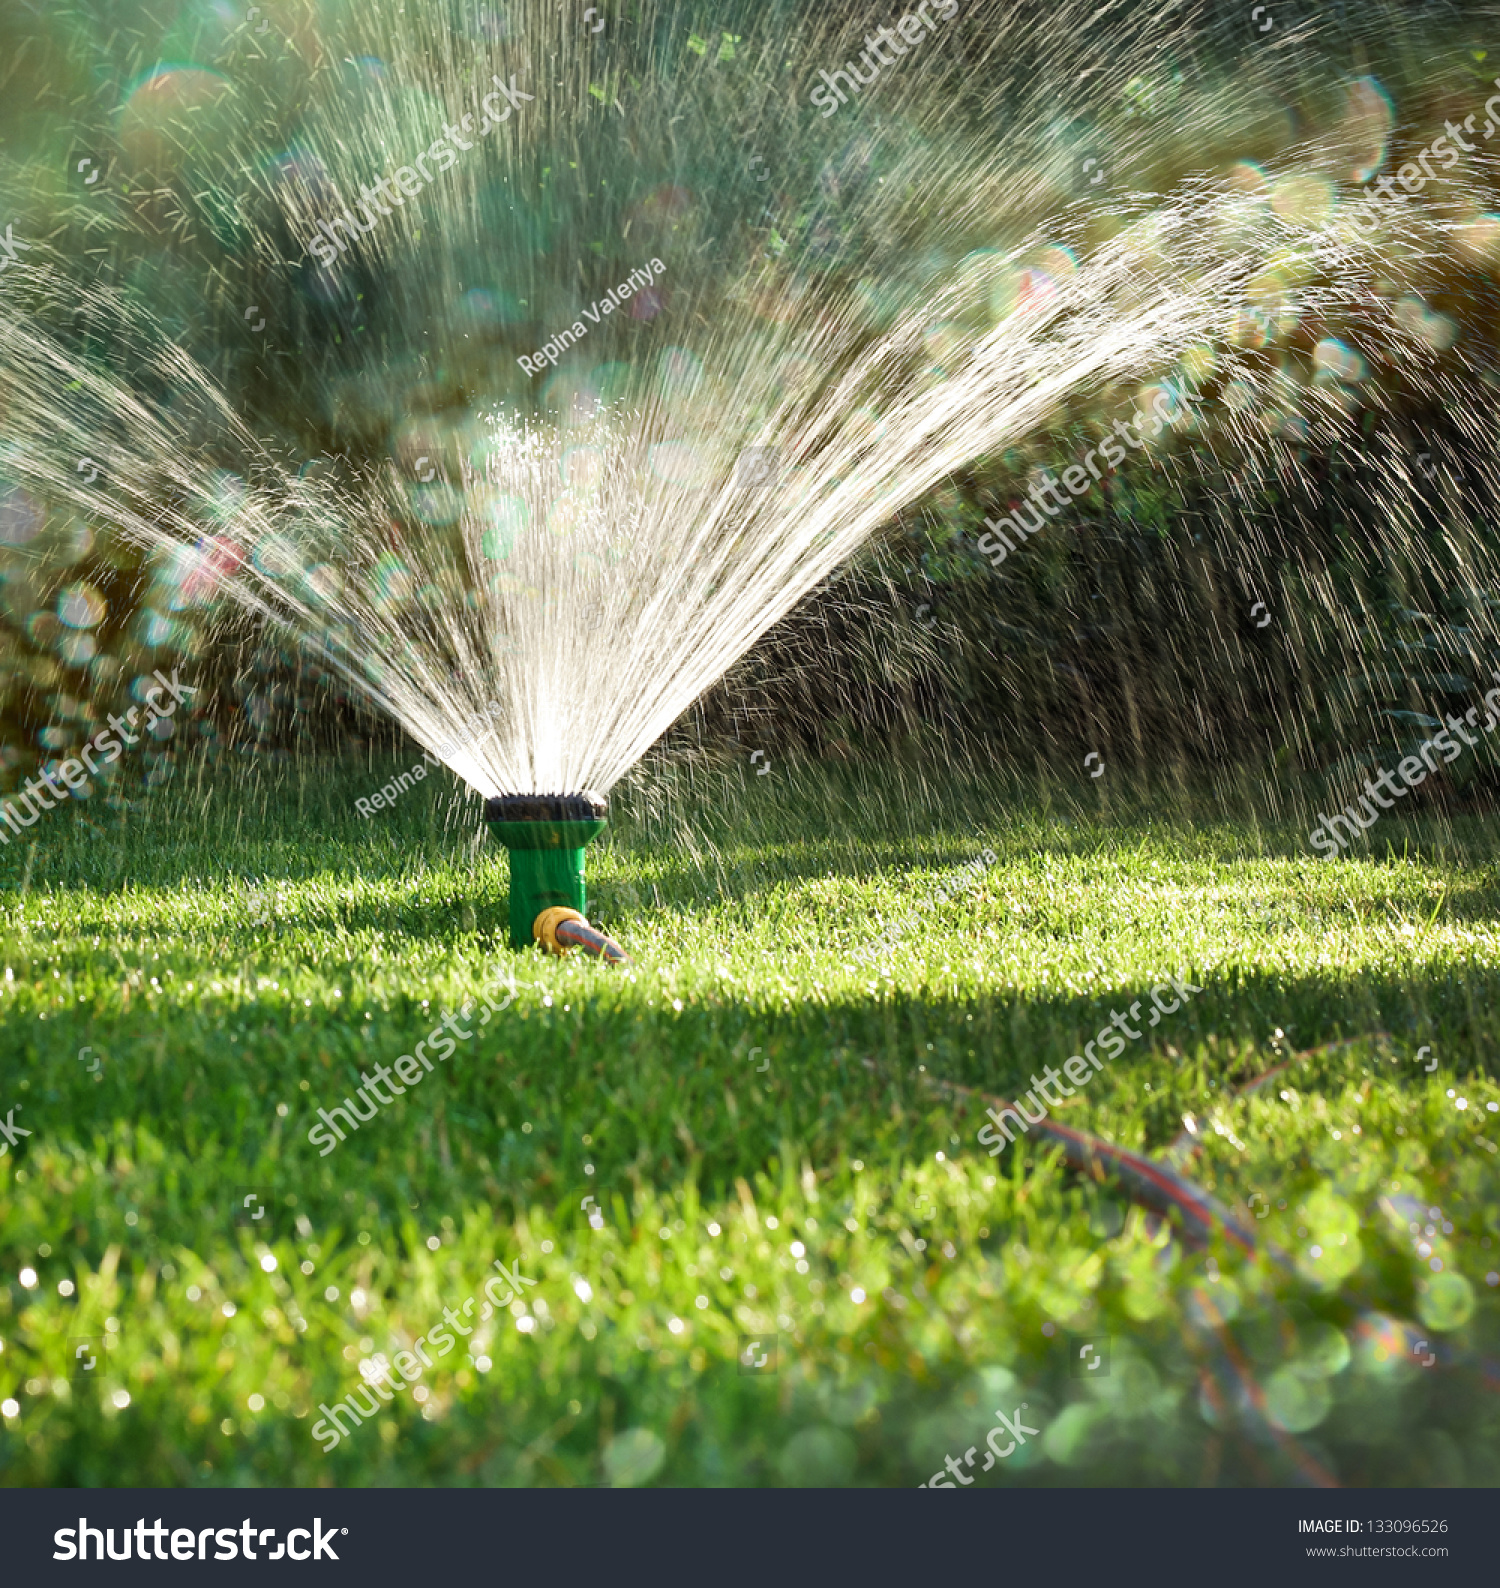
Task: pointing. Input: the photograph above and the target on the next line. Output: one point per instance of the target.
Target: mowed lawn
(735, 1140)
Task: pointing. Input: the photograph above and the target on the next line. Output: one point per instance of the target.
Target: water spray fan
(545, 835)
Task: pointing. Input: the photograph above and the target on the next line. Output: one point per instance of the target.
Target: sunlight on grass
(731, 1139)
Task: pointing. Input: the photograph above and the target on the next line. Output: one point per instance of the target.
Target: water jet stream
(611, 513)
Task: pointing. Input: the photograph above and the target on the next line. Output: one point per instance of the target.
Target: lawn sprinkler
(545, 834)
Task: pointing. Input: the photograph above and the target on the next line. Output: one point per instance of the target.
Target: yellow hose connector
(544, 929)
(560, 928)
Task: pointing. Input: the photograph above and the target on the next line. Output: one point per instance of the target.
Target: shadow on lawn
(663, 1090)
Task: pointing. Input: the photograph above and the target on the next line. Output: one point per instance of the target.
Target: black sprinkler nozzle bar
(583, 807)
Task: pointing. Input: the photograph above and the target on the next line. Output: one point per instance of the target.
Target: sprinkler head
(584, 807)
(546, 834)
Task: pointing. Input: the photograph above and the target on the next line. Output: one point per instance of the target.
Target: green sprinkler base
(545, 834)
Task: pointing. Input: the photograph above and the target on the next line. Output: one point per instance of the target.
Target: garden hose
(1228, 1381)
(559, 928)
(1152, 1184)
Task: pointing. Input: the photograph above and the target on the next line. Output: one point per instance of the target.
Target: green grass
(233, 949)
